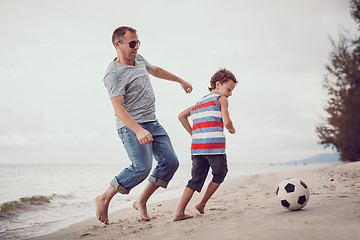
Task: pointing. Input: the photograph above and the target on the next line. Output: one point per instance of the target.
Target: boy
(209, 117)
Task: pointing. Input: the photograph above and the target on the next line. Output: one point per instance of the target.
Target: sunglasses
(132, 44)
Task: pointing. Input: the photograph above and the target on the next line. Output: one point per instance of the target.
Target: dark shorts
(200, 168)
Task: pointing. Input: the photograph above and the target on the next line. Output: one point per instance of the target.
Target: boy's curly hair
(222, 76)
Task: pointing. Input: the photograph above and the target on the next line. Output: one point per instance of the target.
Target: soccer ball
(293, 194)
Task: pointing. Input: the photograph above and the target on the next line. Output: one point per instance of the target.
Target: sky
(53, 55)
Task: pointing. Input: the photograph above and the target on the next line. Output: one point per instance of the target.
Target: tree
(342, 82)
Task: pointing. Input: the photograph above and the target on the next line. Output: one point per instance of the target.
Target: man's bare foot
(200, 207)
(181, 216)
(102, 209)
(143, 211)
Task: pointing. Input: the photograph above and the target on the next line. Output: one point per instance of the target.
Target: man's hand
(144, 136)
(186, 86)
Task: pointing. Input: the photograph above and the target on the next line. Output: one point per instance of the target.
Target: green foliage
(342, 82)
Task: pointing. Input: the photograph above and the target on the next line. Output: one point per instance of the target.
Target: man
(133, 100)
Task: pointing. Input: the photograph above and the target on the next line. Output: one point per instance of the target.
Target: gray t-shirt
(132, 82)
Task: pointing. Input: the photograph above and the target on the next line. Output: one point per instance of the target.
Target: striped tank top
(208, 129)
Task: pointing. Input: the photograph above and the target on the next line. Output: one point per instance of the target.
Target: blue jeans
(141, 157)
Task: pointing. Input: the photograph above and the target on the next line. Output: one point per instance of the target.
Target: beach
(244, 207)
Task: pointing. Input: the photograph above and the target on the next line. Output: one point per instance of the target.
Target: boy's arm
(183, 117)
(224, 104)
(163, 74)
(142, 135)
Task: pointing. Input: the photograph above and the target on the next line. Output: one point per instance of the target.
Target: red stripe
(207, 145)
(201, 105)
(208, 124)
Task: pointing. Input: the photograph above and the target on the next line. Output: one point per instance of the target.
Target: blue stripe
(212, 98)
(209, 129)
(208, 140)
(207, 119)
(204, 109)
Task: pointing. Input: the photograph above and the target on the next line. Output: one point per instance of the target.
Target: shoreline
(244, 206)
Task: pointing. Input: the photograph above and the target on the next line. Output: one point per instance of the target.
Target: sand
(245, 208)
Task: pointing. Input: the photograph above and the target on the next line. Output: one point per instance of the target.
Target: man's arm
(142, 135)
(183, 117)
(224, 104)
(163, 74)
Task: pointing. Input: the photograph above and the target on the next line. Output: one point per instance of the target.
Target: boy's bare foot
(182, 216)
(200, 207)
(143, 211)
(102, 209)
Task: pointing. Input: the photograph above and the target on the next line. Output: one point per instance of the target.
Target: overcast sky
(53, 56)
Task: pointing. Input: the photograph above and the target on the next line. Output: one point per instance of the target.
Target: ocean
(37, 199)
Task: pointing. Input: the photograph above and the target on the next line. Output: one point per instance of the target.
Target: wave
(12, 208)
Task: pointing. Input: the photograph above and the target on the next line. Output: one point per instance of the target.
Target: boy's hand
(232, 130)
